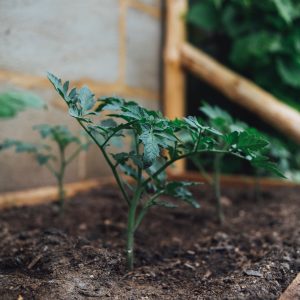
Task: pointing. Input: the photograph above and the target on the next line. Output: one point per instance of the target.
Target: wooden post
(242, 91)
(293, 290)
(174, 77)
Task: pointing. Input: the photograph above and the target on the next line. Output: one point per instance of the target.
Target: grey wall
(111, 45)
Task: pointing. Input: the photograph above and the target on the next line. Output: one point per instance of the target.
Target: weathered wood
(293, 290)
(48, 194)
(174, 77)
(242, 91)
(235, 180)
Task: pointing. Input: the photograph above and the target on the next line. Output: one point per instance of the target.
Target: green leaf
(13, 102)
(86, 98)
(165, 204)
(42, 159)
(56, 82)
(58, 133)
(215, 112)
(289, 72)
(264, 163)
(255, 48)
(178, 189)
(204, 15)
(285, 9)
(151, 146)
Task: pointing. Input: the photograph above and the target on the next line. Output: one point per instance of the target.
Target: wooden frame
(48, 194)
(179, 54)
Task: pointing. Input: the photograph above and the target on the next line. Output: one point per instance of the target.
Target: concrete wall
(111, 45)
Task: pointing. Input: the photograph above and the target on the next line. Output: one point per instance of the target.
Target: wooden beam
(28, 81)
(242, 91)
(293, 290)
(174, 77)
(236, 180)
(48, 194)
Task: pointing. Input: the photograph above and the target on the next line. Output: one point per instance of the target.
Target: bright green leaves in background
(262, 40)
(237, 139)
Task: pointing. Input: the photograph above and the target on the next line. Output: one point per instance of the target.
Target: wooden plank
(48, 194)
(293, 290)
(237, 180)
(28, 81)
(174, 77)
(242, 91)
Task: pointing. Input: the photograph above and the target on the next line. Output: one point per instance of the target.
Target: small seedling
(243, 139)
(279, 153)
(157, 144)
(46, 156)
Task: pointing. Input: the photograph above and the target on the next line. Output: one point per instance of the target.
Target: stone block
(73, 38)
(142, 50)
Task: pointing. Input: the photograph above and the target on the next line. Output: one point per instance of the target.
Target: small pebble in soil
(253, 273)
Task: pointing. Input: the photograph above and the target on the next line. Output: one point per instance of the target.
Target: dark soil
(180, 253)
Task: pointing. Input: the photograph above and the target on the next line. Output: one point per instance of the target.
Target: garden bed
(181, 253)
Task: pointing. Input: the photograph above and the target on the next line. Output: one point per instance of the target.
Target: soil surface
(181, 253)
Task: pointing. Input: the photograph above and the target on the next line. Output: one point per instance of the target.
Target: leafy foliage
(157, 143)
(46, 156)
(13, 102)
(237, 137)
(265, 49)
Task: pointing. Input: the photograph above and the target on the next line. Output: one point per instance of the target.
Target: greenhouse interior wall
(113, 46)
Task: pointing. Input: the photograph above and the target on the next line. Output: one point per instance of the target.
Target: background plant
(157, 144)
(56, 161)
(260, 39)
(13, 102)
(247, 140)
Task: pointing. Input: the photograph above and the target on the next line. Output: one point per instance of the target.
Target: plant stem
(73, 155)
(203, 172)
(131, 228)
(217, 187)
(60, 178)
(130, 237)
(106, 157)
(170, 162)
(145, 209)
(61, 194)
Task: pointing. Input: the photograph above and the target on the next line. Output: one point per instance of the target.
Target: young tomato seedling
(238, 136)
(157, 144)
(47, 157)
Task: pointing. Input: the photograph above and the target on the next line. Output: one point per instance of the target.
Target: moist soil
(181, 253)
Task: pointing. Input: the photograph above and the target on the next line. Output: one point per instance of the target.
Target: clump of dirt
(180, 254)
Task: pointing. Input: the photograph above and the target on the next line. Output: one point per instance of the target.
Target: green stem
(112, 167)
(73, 155)
(60, 178)
(203, 172)
(130, 237)
(131, 228)
(170, 162)
(120, 127)
(217, 187)
(145, 209)
(61, 194)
